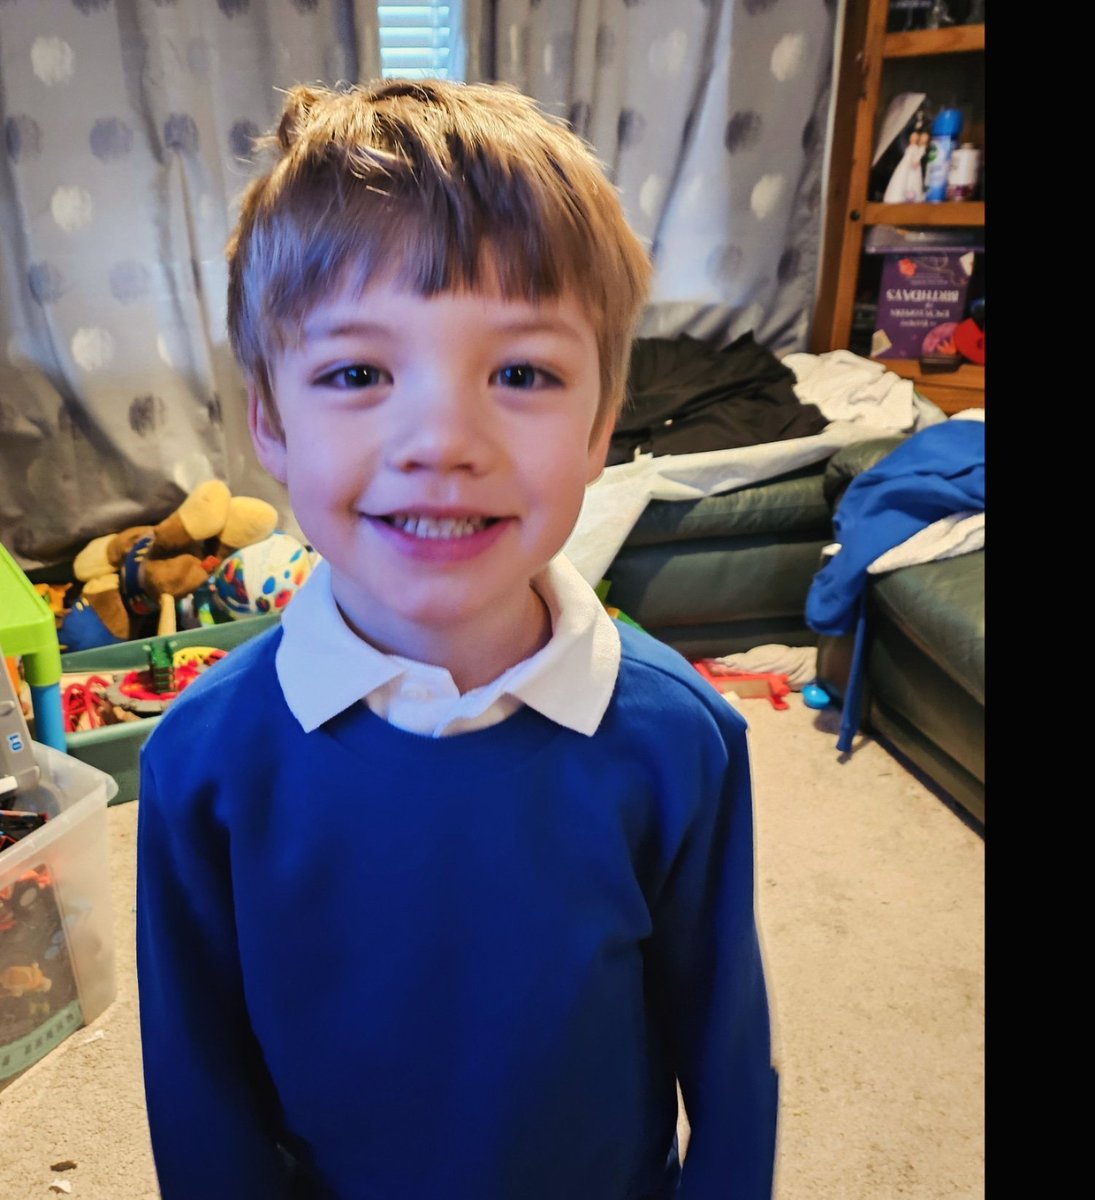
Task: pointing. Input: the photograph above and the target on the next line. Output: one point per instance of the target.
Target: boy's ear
(266, 434)
(598, 448)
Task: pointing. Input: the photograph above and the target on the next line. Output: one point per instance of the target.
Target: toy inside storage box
(115, 749)
(56, 929)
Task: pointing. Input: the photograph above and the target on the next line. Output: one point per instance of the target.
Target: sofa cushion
(852, 460)
(940, 607)
(791, 504)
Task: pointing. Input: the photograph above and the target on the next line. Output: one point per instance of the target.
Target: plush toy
(257, 579)
(125, 575)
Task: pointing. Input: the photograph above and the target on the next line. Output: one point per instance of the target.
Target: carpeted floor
(871, 898)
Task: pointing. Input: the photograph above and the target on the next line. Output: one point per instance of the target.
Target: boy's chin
(462, 612)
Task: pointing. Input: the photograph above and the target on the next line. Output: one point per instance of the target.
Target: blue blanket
(937, 472)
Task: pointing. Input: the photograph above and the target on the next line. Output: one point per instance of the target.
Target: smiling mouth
(420, 526)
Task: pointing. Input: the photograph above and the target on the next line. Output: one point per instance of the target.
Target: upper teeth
(437, 527)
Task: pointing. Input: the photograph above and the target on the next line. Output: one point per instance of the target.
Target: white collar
(324, 667)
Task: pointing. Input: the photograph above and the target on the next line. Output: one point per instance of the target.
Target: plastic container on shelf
(964, 173)
(56, 924)
(946, 130)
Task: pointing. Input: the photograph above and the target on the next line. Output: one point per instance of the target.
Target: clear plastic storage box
(56, 923)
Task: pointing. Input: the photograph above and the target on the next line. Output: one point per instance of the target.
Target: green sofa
(924, 693)
(729, 572)
(725, 573)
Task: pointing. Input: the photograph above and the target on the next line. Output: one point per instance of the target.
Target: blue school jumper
(464, 968)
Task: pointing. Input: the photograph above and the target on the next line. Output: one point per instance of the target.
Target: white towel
(847, 387)
(954, 534)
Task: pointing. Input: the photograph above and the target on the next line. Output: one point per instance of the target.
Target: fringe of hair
(434, 186)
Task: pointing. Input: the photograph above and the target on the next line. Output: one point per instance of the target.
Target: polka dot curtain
(127, 137)
(128, 130)
(711, 116)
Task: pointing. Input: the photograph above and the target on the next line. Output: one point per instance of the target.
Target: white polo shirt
(324, 667)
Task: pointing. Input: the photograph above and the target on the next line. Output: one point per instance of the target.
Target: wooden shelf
(953, 391)
(960, 212)
(874, 66)
(919, 43)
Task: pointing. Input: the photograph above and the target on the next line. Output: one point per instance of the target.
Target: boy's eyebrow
(541, 325)
(340, 326)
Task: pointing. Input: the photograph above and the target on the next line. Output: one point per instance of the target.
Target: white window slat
(420, 14)
(415, 38)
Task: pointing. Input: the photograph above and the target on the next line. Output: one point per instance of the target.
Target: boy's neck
(472, 657)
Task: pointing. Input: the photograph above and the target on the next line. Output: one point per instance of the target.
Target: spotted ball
(259, 579)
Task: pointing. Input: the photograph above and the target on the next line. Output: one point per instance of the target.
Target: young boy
(446, 881)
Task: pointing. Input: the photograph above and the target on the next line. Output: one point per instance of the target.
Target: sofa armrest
(852, 460)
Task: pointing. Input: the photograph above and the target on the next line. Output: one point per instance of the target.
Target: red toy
(747, 685)
(969, 341)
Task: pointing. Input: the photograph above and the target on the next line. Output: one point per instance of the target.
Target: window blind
(415, 38)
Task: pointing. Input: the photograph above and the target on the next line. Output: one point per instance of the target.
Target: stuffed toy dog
(126, 575)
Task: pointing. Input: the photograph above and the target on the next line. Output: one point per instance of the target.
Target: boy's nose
(442, 435)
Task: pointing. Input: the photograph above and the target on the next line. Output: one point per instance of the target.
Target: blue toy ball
(815, 696)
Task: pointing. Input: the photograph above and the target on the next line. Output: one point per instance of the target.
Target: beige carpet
(871, 895)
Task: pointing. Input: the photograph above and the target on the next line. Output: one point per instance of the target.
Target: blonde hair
(435, 186)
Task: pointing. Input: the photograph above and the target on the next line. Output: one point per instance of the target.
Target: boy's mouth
(422, 526)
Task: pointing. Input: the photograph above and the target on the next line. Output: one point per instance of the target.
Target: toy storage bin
(56, 924)
(115, 749)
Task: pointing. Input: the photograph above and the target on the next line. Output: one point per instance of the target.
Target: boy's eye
(357, 375)
(525, 376)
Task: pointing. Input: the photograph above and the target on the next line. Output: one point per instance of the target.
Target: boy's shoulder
(663, 684)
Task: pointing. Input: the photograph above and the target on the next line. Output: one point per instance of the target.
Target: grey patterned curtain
(127, 137)
(128, 128)
(711, 117)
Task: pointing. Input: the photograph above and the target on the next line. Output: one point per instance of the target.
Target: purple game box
(922, 298)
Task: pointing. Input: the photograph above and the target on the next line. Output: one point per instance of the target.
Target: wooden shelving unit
(965, 212)
(921, 43)
(865, 51)
(951, 390)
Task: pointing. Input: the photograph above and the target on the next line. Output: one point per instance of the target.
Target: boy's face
(436, 453)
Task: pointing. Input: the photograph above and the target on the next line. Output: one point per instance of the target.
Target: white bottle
(962, 177)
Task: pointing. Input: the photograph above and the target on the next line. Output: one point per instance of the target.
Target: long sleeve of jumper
(937, 472)
(469, 967)
(197, 1043)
